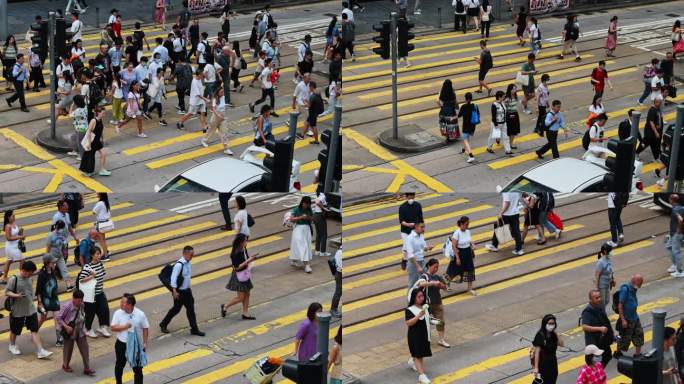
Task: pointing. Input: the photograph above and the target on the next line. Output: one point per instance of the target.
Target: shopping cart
(256, 375)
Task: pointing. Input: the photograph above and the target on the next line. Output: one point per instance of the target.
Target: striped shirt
(100, 273)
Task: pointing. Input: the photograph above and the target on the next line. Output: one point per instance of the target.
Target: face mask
(410, 201)
(550, 327)
(597, 359)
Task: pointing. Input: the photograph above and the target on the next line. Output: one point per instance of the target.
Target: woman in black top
(466, 111)
(448, 105)
(240, 261)
(521, 25)
(95, 128)
(225, 17)
(417, 334)
(545, 343)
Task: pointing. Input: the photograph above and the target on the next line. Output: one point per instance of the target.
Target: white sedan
(566, 174)
(228, 174)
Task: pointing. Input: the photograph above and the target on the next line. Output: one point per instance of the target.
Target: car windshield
(523, 184)
(181, 184)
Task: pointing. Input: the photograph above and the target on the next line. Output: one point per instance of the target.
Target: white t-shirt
(321, 199)
(656, 82)
(137, 318)
(201, 47)
(302, 93)
(76, 29)
(338, 260)
(415, 246)
(100, 212)
(534, 32)
(265, 78)
(301, 51)
(596, 132)
(196, 92)
(241, 216)
(513, 198)
(220, 104)
(350, 14)
(209, 73)
(111, 20)
(178, 44)
(462, 238)
(597, 109)
(64, 67)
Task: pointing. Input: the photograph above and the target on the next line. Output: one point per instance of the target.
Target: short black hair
(188, 248)
(130, 298)
(545, 77)
(556, 102)
(431, 262)
(241, 202)
(311, 311)
(28, 266)
(78, 294)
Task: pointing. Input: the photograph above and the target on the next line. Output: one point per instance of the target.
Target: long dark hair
(677, 24)
(102, 196)
(509, 92)
(305, 199)
(593, 101)
(543, 331)
(236, 48)
(312, 310)
(14, 44)
(331, 26)
(237, 244)
(338, 336)
(414, 293)
(8, 214)
(447, 93)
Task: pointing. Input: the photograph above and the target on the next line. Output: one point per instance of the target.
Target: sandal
(67, 369)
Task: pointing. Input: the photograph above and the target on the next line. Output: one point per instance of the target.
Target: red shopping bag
(555, 220)
(679, 47)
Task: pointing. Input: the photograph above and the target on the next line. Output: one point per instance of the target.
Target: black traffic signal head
(279, 166)
(323, 156)
(666, 153)
(39, 38)
(404, 36)
(642, 369)
(383, 39)
(306, 372)
(621, 167)
(62, 37)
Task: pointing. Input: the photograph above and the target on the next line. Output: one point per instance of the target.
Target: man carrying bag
(509, 218)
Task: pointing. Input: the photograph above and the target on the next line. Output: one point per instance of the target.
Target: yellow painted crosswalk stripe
(575, 143)
(369, 207)
(46, 224)
(433, 37)
(394, 216)
(22, 213)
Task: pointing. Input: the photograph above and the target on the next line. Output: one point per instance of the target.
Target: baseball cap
(591, 349)
(48, 258)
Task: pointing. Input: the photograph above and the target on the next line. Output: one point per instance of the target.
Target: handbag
(22, 246)
(244, 275)
(554, 219)
(678, 47)
(9, 302)
(521, 79)
(475, 116)
(496, 132)
(104, 226)
(87, 140)
(502, 232)
(250, 221)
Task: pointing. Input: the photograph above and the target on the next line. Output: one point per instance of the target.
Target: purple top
(68, 313)
(307, 333)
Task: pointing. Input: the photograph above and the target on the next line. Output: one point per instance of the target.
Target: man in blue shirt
(629, 325)
(20, 77)
(115, 55)
(553, 123)
(182, 295)
(674, 244)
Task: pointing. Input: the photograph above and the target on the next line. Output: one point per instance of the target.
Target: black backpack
(243, 63)
(616, 299)
(546, 201)
(624, 129)
(208, 53)
(95, 93)
(488, 60)
(165, 276)
(586, 139)
(77, 254)
(459, 6)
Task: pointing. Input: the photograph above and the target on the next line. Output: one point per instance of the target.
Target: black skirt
(474, 12)
(512, 123)
(239, 286)
(88, 162)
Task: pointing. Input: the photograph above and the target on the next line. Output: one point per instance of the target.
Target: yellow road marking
(54, 182)
(432, 37)
(396, 183)
(434, 219)
(163, 364)
(393, 216)
(431, 112)
(12, 167)
(22, 213)
(523, 157)
(46, 224)
(501, 360)
(401, 165)
(368, 207)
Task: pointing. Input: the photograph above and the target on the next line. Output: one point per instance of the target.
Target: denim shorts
(466, 136)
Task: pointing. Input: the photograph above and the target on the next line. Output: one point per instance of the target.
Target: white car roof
(223, 173)
(565, 174)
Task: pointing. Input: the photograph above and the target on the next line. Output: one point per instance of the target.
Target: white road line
(622, 29)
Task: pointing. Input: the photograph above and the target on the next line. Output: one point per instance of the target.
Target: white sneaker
(204, 143)
(43, 354)
(14, 349)
(470, 159)
(142, 135)
(621, 238)
(661, 183)
(326, 254)
(673, 268)
(612, 245)
(423, 379)
(307, 269)
(91, 333)
(309, 133)
(444, 344)
(103, 331)
(72, 153)
(558, 234)
(228, 152)
(412, 364)
(518, 253)
(316, 253)
(677, 274)
(491, 248)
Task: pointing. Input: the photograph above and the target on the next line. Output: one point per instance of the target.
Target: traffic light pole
(332, 151)
(674, 152)
(323, 340)
(636, 116)
(4, 28)
(394, 58)
(658, 337)
(292, 128)
(53, 80)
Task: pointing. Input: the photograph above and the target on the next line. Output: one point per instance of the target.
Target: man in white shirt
(510, 214)
(198, 103)
(209, 80)
(335, 305)
(202, 49)
(597, 147)
(125, 318)
(161, 50)
(182, 294)
(76, 27)
(349, 12)
(112, 17)
(415, 253)
(299, 100)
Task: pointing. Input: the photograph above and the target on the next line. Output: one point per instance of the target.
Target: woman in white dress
(300, 246)
(103, 222)
(12, 236)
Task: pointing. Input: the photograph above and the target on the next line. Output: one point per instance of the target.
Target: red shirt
(600, 75)
(592, 375)
(116, 27)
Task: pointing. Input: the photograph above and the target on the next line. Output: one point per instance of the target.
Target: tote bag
(503, 232)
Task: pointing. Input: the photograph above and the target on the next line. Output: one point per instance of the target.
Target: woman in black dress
(418, 333)
(240, 261)
(545, 343)
(448, 115)
(521, 25)
(95, 128)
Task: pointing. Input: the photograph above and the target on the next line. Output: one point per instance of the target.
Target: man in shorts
(315, 104)
(629, 325)
(23, 310)
(432, 283)
(198, 103)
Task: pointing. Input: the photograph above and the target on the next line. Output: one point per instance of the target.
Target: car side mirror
(157, 188)
(499, 189)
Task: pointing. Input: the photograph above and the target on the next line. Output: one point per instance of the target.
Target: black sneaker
(70, 288)
(179, 126)
(106, 257)
(223, 311)
(147, 116)
(163, 329)
(163, 123)
(251, 107)
(197, 332)
(299, 136)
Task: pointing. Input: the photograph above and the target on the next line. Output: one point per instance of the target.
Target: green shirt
(527, 67)
(300, 212)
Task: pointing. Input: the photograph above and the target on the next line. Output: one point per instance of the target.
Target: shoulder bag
(521, 79)
(502, 232)
(246, 274)
(87, 140)
(9, 301)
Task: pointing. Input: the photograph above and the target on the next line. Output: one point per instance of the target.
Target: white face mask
(550, 327)
(597, 359)
(410, 201)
